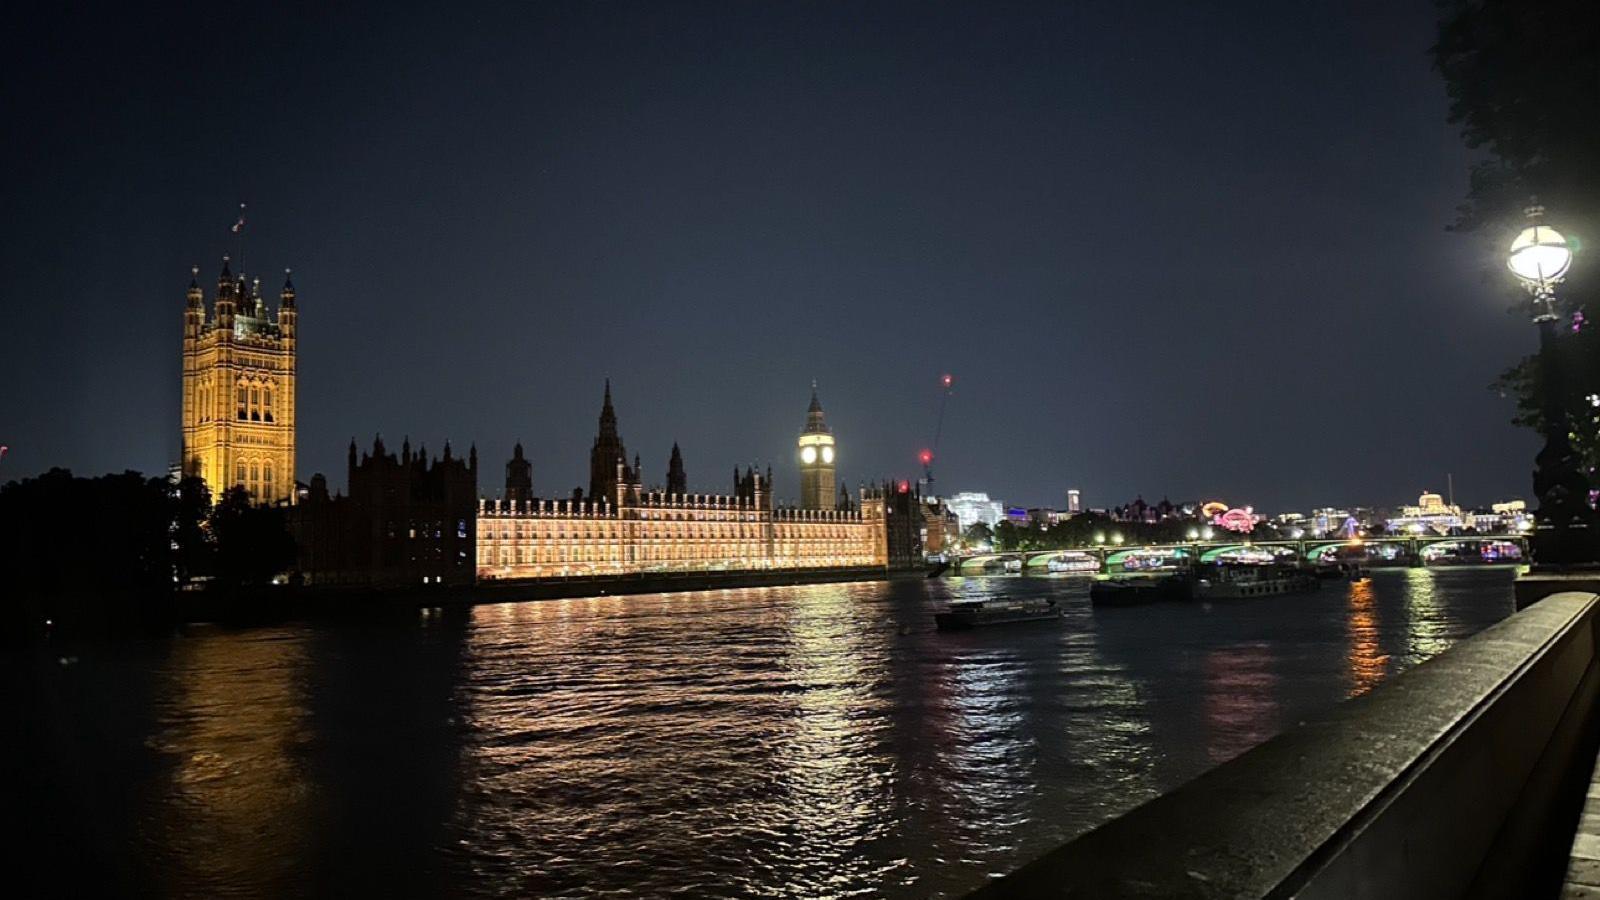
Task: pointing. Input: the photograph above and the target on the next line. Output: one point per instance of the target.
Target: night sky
(1164, 248)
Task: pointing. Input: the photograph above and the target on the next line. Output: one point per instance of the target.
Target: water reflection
(235, 807)
(834, 769)
(815, 741)
(1368, 662)
(1431, 628)
(1241, 704)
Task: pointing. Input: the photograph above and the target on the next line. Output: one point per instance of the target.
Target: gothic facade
(409, 519)
(238, 414)
(621, 527)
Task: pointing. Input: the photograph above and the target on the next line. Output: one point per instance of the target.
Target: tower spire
(608, 452)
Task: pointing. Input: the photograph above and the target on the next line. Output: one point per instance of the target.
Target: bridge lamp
(1193, 534)
(1099, 538)
(1117, 539)
(1209, 532)
(1539, 257)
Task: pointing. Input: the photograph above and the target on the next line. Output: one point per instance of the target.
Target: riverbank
(283, 603)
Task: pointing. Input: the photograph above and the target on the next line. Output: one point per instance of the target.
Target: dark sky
(1164, 248)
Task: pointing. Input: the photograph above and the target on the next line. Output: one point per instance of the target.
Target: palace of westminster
(410, 516)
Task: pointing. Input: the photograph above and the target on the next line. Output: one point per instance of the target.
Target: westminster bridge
(1404, 550)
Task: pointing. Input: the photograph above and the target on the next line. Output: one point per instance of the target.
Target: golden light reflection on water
(709, 732)
(1368, 664)
(236, 807)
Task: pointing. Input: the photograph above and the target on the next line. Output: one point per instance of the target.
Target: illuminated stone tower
(239, 389)
(816, 459)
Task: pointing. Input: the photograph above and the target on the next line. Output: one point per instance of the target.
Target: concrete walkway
(1583, 869)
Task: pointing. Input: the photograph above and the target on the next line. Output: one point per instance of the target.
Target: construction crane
(946, 386)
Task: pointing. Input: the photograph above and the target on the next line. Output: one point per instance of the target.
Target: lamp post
(1539, 258)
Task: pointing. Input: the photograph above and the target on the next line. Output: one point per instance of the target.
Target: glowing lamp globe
(1539, 256)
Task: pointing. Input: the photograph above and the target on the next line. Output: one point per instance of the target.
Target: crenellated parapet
(817, 516)
(547, 509)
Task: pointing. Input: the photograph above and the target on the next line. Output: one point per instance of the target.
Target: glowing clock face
(808, 455)
(827, 454)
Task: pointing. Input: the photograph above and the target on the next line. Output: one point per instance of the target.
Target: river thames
(793, 741)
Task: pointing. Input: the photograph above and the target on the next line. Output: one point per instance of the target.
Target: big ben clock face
(827, 454)
(808, 455)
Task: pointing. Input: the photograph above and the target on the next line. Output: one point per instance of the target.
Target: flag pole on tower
(238, 229)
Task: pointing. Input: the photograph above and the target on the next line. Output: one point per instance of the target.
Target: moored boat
(1232, 582)
(1132, 590)
(963, 614)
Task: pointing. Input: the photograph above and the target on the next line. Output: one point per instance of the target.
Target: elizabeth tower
(816, 459)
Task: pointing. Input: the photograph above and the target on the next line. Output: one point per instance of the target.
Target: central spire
(815, 423)
(608, 415)
(608, 451)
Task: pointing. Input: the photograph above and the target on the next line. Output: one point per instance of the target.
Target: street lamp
(1540, 257)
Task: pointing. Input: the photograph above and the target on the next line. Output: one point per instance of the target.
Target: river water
(797, 741)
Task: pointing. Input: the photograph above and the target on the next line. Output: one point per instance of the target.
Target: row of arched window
(253, 401)
(255, 476)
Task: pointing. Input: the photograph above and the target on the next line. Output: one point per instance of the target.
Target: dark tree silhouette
(1523, 78)
(111, 550)
(252, 543)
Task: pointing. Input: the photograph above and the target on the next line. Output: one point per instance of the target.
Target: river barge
(964, 614)
(1136, 590)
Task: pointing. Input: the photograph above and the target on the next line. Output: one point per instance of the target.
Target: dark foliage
(252, 543)
(1524, 83)
(112, 550)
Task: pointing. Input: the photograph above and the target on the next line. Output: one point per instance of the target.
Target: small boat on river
(1133, 590)
(1233, 582)
(1211, 581)
(964, 614)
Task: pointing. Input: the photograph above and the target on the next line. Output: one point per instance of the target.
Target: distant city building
(627, 529)
(1431, 513)
(1044, 516)
(1016, 515)
(238, 414)
(1074, 502)
(1329, 520)
(941, 528)
(1140, 511)
(905, 525)
(973, 507)
(1508, 517)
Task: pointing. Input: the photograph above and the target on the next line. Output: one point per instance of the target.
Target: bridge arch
(1034, 559)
